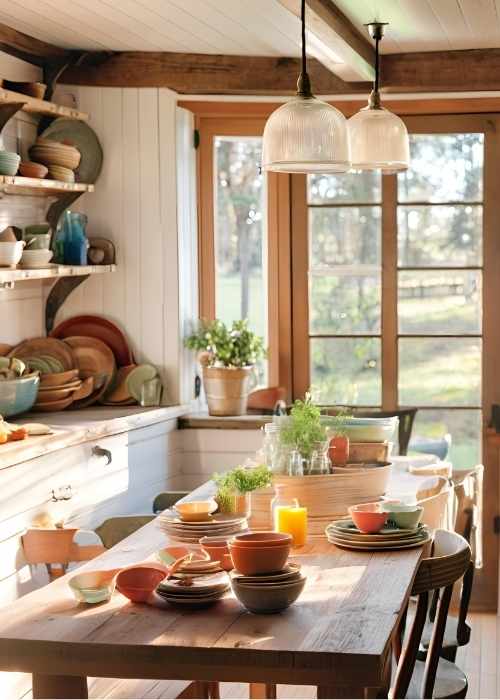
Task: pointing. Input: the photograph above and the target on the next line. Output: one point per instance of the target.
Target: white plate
(399, 546)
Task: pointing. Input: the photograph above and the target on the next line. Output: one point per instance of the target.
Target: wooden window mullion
(389, 293)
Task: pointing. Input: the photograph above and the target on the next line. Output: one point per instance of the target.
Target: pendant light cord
(303, 83)
(376, 31)
(377, 66)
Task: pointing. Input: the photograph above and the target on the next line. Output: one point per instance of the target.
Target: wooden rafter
(337, 32)
(206, 74)
(28, 48)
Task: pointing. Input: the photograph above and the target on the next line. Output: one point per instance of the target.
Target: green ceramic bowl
(405, 517)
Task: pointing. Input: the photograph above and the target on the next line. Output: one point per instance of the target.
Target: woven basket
(326, 497)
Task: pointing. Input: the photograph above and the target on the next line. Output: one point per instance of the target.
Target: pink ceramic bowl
(218, 550)
(368, 520)
(259, 560)
(262, 539)
(137, 583)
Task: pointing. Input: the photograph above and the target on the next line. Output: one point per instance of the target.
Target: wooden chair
(166, 499)
(436, 508)
(264, 401)
(435, 677)
(431, 487)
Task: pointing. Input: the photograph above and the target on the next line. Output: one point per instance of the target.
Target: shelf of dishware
(20, 274)
(14, 184)
(36, 106)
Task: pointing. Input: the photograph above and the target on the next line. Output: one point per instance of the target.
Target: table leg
(45, 686)
(262, 691)
(340, 691)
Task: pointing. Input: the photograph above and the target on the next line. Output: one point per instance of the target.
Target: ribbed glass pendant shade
(306, 135)
(379, 140)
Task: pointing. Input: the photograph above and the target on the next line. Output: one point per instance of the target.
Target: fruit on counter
(18, 434)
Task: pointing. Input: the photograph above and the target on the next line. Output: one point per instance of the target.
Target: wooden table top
(338, 631)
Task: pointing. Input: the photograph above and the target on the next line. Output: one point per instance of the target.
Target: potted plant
(234, 488)
(303, 428)
(227, 356)
(339, 443)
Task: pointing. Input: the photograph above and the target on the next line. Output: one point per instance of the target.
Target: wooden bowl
(36, 90)
(29, 169)
(58, 378)
(137, 583)
(259, 560)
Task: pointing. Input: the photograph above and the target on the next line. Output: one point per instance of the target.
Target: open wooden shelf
(36, 186)
(8, 276)
(35, 106)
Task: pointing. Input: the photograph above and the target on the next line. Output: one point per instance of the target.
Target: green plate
(80, 135)
(39, 364)
(54, 364)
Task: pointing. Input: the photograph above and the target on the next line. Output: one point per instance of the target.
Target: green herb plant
(338, 423)
(226, 347)
(304, 427)
(239, 481)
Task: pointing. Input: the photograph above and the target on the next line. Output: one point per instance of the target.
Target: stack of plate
(219, 525)
(9, 162)
(344, 533)
(194, 592)
(60, 158)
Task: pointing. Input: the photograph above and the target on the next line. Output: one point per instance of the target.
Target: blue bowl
(18, 395)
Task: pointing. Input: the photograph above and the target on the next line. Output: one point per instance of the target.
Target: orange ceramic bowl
(196, 511)
(366, 520)
(137, 583)
(262, 539)
(218, 550)
(259, 560)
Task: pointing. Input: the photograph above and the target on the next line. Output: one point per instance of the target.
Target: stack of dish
(366, 429)
(9, 163)
(60, 158)
(344, 533)
(219, 525)
(194, 592)
(197, 563)
(269, 593)
(255, 553)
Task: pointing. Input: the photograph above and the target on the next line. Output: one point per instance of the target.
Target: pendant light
(305, 135)
(378, 137)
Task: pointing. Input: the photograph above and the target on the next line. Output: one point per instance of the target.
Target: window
(394, 281)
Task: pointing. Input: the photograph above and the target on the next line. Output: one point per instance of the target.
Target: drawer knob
(98, 451)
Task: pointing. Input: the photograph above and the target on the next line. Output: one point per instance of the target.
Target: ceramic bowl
(262, 539)
(366, 520)
(36, 258)
(11, 252)
(57, 172)
(18, 395)
(137, 583)
(405, 517)
(9, 163)
(29, 169)
(218, 550)
(270, 599)
(40, 241)
(93, 586)
(195, 511)
(259, 560)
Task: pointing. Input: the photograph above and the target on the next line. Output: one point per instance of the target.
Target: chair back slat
(449, 561)
(435, 514)
(431, 486)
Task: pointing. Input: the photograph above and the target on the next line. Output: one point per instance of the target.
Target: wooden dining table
(337, 636)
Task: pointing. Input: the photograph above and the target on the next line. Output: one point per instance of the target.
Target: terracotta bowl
(93, 586)
(259, 560)
(262, 539)
(137, 583)
(195, 511)
(368, 521)
(218, 550)
(268, 600)
(29, 169)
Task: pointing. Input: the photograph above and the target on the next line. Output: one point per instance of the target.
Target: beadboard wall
(135, 205)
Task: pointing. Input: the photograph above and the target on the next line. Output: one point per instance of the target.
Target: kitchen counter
(72, 428)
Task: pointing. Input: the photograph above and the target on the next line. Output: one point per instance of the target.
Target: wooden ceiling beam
(441, 71)
(337, 33)
(29, 49)
(205, 74)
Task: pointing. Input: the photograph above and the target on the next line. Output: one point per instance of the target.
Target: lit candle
(293, 520)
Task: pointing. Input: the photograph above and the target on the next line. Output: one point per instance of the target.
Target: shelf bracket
(7, 111)
(51, 73)
(57, 296)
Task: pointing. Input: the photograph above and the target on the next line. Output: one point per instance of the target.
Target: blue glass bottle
(75, 238)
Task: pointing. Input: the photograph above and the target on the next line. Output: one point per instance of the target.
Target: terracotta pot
(339, 450)
(239, 504)
(227, 390)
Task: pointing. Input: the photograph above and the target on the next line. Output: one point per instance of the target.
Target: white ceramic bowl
(11, 252)
(36, 258)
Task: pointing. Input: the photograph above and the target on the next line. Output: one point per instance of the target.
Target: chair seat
(451, 682)
(450, 639)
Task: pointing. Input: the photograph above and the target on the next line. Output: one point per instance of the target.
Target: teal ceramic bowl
(405, 517)
(9, 163)
(18, 395)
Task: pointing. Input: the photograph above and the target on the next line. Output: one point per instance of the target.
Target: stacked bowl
(60, 158)
(9, 163)
(255, 553)
(269, 593)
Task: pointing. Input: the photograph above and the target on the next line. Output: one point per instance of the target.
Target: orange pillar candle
(293, 520)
